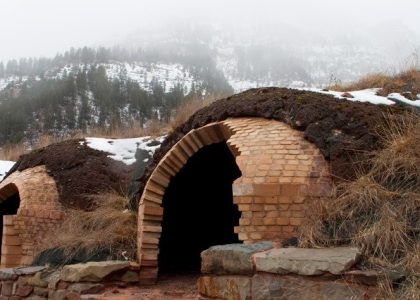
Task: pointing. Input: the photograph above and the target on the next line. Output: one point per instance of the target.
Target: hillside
(88, 88)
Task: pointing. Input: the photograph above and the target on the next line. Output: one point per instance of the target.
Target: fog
(45, 27)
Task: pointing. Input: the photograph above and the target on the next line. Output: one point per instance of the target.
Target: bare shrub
(109, 225)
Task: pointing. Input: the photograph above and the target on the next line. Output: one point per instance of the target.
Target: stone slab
(305, 261)
(8, 274)
(29, 270)
(292, 287)
(231, 258)
(92, 271)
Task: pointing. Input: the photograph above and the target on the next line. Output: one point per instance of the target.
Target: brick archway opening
(9, 205)
(198, 209)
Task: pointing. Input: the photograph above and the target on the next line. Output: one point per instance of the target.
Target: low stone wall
(72, 282)
(253, 272)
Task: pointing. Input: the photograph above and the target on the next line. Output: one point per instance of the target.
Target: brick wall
(281, 173)
(39, 212)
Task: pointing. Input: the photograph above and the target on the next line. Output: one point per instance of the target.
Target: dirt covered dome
(80, 170)
(342, 130)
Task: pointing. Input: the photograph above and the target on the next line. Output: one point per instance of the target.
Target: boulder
(305, 261)
(231, 259)
(291, 287)
(92, 271)
(228, 287)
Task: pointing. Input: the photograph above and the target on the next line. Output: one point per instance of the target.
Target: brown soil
(168, 288)
(342, 130)
(78, 171)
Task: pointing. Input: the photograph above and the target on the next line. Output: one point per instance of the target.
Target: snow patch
(401, 98)
(5, 166)
(124, 149)
(369, 95)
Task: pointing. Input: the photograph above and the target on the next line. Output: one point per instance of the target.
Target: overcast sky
(45, 27)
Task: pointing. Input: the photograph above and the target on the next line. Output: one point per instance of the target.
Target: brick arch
(150, 210)
(281, 174)
(39, 212)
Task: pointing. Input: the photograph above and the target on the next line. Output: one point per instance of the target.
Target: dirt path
(168, 288)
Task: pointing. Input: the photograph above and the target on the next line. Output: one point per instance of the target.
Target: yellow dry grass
(188, 108)
(406, 81)
(109, 225)
(379, 212)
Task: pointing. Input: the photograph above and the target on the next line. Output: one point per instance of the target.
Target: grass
(109, 225)
(188, 108)
(379, 212)
(407, 82)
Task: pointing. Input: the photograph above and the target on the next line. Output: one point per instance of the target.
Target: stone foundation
(72, 282)
(251, 272)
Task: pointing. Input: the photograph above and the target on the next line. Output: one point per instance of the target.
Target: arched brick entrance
(281, 172)
(36, 214)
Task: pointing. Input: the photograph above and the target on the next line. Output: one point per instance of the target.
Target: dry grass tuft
(188, 108)
(12, 151)
(110, 225)
(404, 82)
(380, 211)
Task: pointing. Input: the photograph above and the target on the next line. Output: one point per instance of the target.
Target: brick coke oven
(239, 180)
(245, 169)
(29, 209)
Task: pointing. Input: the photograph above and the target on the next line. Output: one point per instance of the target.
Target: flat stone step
(231, 258)
(304, 261)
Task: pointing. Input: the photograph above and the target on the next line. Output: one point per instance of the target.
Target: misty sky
(45, 27)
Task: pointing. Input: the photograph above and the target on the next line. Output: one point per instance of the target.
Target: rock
(231, 259)
(86, 288)
(35, 297)
(367, 277)
(290, 287)
(57, 295)
(24, 290)
(42, 292)
(229, 287)
(130, 276)
(29, 270)
(347, 95)
(8, 274)
(305, 261)
(53, 279)
(7, 288)
(91, 271)
(36, 280)
(72, 296)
